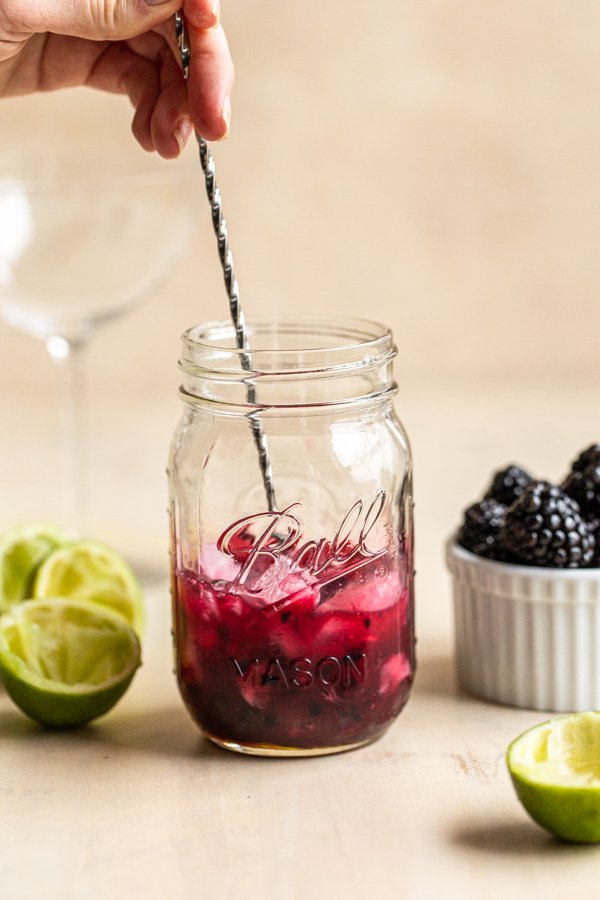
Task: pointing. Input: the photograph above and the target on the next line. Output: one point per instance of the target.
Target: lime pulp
(22, 550)
(555, 769)
(90, 570)
(65, 662)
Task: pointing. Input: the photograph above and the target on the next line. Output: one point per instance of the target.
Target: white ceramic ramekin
(526, 636)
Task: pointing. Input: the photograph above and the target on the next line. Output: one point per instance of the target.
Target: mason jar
(291, 536)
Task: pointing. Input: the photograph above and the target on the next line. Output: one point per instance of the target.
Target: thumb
(97, 20)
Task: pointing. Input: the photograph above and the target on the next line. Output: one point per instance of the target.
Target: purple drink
(291, 662)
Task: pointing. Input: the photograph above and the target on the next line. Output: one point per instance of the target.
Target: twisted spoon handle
(237, 314)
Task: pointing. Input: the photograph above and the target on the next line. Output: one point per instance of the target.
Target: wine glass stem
(68, 355)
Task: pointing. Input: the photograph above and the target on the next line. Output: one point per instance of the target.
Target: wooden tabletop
(138, 805)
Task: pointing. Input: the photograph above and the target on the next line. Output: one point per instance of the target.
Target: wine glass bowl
(76, 252)
(87, 232)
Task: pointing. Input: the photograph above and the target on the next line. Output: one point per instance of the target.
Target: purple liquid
(298, 665)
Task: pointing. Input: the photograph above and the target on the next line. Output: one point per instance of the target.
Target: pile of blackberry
(530, 522)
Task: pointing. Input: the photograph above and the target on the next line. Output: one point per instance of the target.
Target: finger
(202, 13)
(119, 70)
(155, 85)
(52, 61)
(93, 19)
(167, 32)
(210, 82)
(171, 125)
(151, 45)
(209, 101)
(11, 44)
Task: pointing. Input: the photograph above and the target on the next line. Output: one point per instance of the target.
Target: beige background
(433, 165)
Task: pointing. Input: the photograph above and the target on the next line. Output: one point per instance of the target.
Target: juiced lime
(89, 570)
(65, 662)
(555, 768)
(22, 550)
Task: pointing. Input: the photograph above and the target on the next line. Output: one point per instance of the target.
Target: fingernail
(226, 116)
(155, 2)
(182, 132)
(210, 19)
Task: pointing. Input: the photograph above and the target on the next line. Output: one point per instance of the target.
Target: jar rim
(334, 341)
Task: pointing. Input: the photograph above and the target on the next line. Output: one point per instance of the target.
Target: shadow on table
(167, 732)
(14, 724)
(436, 677)
(164, 731)
(513, 839)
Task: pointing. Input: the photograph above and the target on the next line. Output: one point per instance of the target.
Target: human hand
(125, 47)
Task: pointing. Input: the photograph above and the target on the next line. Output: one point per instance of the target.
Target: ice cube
(267, 588)
(217, 566)
(395, 670)
(253, 694)
(377, 593)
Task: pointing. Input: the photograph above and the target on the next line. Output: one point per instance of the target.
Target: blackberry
(508, 484)
(583, 486)
(593, 526)
(481, 525)
(588, 456)
(544, 527)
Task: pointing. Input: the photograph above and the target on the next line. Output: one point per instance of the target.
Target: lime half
(22, 550)
(90, 570)
(66, 662)
(555, 768)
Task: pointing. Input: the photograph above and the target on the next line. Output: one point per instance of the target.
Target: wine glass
(86, 233)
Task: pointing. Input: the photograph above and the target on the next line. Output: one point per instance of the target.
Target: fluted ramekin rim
(455, 551)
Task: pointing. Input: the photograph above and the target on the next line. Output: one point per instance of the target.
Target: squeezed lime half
(22, 551)
(89, 570)
(555, 768)
(65, 662)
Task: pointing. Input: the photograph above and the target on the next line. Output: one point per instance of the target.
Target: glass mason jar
(293, 613)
